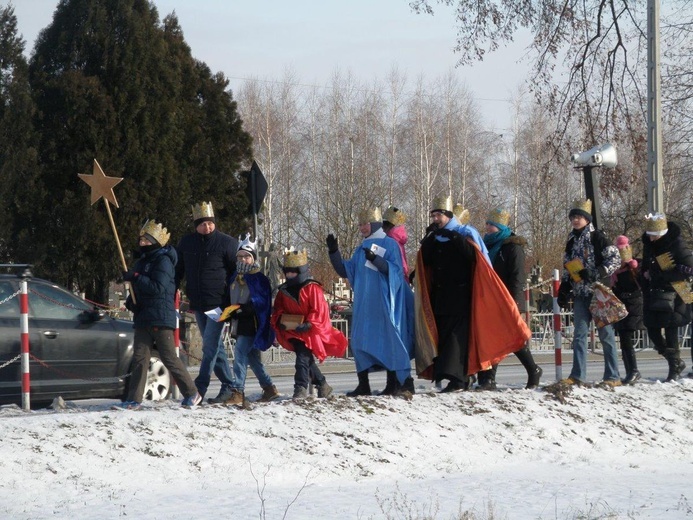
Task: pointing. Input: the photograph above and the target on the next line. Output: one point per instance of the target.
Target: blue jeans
(214, 358)
(246, 355)
(581, 320)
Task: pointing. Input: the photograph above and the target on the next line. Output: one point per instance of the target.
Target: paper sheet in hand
(219, 315)
(291, 321)
(380, 251)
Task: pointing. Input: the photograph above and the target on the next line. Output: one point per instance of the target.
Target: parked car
(76, 350)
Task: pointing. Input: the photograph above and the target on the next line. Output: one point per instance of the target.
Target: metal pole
(24, 335)
(253, 202)
(557, 324)
(591, 191)
(655, 195)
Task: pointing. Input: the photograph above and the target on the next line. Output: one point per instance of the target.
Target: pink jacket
(399, 234)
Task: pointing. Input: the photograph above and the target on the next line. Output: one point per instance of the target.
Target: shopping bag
(605, 307)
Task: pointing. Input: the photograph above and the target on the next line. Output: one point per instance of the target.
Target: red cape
(322, 338)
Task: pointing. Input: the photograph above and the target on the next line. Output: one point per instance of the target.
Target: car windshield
(9, 308)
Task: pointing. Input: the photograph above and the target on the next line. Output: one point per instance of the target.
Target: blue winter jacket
(154, 287)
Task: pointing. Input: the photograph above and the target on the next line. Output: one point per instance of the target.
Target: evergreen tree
(113, 83)
(18, 159)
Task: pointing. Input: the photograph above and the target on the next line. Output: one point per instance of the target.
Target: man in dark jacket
(206, 259)
(152, 280)
(507, 254)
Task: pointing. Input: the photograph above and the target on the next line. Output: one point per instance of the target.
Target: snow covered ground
(585, 452)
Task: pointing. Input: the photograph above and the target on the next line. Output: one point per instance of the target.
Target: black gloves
(304, 327)
(281, 326)
(332, 244)
(431, 228)
(563, 297)
(370, 255)
(129, 276)
(129, 305)
(588, 275)
(246, 309)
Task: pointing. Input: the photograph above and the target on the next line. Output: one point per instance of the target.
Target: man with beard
(466, 321)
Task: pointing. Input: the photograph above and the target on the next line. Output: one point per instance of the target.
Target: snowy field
(576, 453)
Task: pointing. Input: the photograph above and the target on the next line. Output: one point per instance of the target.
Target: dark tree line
(109, 80)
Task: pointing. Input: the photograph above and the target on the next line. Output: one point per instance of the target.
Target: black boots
(676, 365)
(364, 386)
(534, 371)
(487, 379)
(630, 364)
(392, 385)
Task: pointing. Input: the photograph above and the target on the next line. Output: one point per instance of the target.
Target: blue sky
(315, 38)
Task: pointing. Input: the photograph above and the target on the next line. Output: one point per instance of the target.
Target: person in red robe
(301, 319)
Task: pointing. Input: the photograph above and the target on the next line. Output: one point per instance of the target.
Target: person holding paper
(600, 259)
(251, 291)
(666, 260)
(382, 323)
(301, 320)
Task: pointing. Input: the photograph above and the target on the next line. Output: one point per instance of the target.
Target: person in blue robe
(382, 330)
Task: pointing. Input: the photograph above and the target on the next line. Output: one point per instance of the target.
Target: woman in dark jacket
(664, 251)
(153, 284)
(507, 254)
(627, 289)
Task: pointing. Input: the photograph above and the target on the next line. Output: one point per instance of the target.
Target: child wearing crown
(251, 291)
(301, 319)
(152, 279)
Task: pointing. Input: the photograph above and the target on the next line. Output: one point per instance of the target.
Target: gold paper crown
(461, 214)
(394, 216)
(203, 210)
(370, 215)
(156, 231)
(442, 202)
(294, 258)
(655, 224)
(626, 253)
(498, 216)
(583, 205)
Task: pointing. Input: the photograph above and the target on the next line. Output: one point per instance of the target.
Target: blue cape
(261, 298)
(382, 328)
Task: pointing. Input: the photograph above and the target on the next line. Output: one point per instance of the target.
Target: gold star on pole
(101, 185)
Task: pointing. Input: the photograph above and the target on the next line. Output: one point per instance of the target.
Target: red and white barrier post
(176, 341)
(557, 325)
(24, 335)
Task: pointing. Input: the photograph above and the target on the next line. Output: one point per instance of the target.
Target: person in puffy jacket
(665, 258)
(597, 259)
(153, 283)
(206, 259)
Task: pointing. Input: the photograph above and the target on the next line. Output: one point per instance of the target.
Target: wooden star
(101, 185)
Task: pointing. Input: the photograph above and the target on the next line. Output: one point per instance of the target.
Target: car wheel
(158, 384)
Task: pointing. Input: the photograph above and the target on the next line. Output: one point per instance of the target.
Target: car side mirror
(92, 315)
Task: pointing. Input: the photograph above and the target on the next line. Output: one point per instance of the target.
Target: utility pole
(655, 194)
